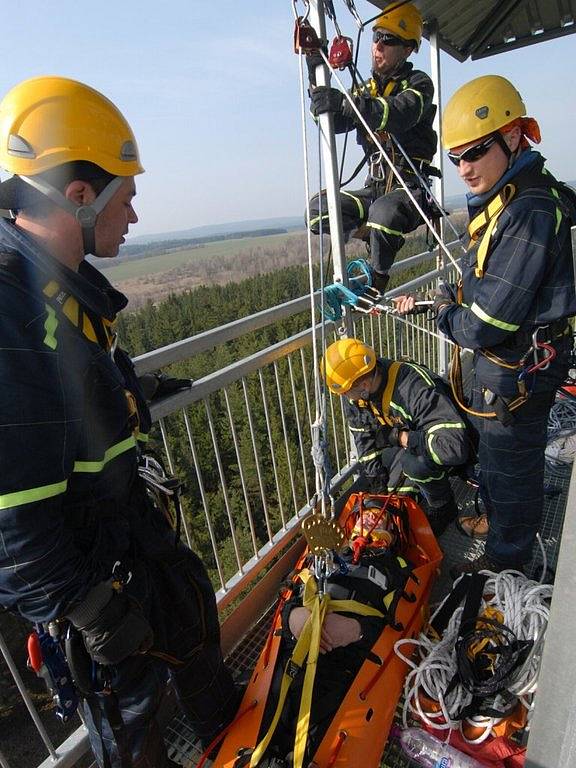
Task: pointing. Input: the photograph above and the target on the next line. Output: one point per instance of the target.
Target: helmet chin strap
(506, 149)
(85, 215)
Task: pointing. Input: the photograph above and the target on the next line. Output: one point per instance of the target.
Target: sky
(212, 92)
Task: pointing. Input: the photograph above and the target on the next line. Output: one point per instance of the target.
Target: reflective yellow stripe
(422, 373)
(50, 325)
(403, 489)
(385, 112)
(142, 438)
(316, 219)
(358, 202)
(401, 410)
(492, 320)
(369, 457)
(33, 494)
(430, 436)
(419, 96)
(384, 229)
(558, 211)
(111, 453)
(360, 429)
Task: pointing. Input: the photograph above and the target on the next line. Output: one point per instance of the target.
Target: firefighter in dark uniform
(511, 309)
(398, 103)
(83, 546)
(405, 426)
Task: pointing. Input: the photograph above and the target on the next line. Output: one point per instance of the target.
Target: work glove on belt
(112, 631)
(158, 385)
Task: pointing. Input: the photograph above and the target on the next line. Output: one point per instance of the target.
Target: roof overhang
(476, 29)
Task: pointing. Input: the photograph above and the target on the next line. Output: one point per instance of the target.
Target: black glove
(370, 109)
(120, 630)
(380, 280)
(313, 60)
(442, 296)
(324, 99)
(157, 385)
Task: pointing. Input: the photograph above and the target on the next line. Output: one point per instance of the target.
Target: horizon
(216, 107)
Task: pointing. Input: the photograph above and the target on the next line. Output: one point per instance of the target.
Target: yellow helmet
(480, 107)
(345, 361)
(404, 21)
(48, 121)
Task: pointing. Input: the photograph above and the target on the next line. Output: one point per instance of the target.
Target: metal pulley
(305, 38)
(340, 55)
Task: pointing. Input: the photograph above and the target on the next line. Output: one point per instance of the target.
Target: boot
(474, 526)
(441, 517)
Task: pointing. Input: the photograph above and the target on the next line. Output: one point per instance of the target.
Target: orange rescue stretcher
(359, 730)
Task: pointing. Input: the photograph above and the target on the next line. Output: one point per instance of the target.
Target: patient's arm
(337, 630)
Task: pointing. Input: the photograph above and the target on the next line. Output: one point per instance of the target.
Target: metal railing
(268, 464)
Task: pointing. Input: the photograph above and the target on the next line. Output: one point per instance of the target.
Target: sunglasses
(386, 38)
(472, 154)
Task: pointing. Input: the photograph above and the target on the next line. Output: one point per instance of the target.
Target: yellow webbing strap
(389, 391)
(73, 311)
(488, 219)
(307, 647)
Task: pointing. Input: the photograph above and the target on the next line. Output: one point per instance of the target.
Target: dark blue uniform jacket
(68, 453)
(528, 281)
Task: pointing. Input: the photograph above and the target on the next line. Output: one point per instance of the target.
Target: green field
(223, 249)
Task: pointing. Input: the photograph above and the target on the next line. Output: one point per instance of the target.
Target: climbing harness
(164, 491)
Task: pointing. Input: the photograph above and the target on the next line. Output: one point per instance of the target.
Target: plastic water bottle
(430, 752)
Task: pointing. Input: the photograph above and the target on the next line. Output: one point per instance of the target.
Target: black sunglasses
(381, 36)
(474, 153)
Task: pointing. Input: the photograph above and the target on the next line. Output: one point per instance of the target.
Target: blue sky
(212, 92)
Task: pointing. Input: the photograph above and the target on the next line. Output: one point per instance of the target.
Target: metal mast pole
(330, 160)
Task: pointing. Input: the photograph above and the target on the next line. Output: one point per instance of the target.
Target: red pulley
(340, 52)
(305, 38)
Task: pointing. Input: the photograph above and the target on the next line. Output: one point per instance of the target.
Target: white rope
(394, 170)
(561, 445)
(525, 607)
(318, 427)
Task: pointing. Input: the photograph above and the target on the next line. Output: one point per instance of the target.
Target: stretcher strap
(307, 649)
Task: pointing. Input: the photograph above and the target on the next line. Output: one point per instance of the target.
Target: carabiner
(296, 15)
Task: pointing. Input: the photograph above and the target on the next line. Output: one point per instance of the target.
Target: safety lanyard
(383, 415)
(484, 224)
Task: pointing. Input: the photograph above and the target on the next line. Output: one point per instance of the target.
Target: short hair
(22, 196)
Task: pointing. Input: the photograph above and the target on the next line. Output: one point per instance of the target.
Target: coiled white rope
(561, 445)
(525, 607)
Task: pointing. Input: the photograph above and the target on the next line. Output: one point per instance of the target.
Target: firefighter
(397, 103)
(83, 545)
(511, 308)
(403, 421)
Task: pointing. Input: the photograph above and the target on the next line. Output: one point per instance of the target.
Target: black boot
(441, 517)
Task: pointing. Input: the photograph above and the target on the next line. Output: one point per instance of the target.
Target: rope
(524, 606)
(561, 445)
(318, 428)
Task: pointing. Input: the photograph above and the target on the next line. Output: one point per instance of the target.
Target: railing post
(438, 183)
